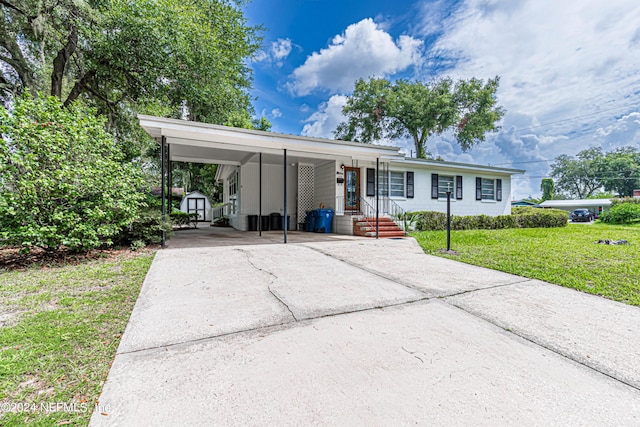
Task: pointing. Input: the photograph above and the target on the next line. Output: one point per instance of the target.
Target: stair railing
(368, 211)
(221, 211)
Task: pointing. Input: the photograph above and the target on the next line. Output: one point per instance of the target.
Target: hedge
(521, 217)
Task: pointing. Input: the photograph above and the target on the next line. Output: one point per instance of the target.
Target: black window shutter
(458, 187)
(478, 188)
(410, 185)
(371, 182)
(499, 190)
(434, 185)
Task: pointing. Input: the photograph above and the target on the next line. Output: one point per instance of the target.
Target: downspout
(377, 196)
(260, 196)
(170, 183)
(163, 141)
(284, 221)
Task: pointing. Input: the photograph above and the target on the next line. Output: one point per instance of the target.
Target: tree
(380, 109)
(548, 189)
(580, 176)
(175, 57)
(62, 179)
(621, 171)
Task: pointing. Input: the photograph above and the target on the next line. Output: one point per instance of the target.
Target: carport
(186, 141)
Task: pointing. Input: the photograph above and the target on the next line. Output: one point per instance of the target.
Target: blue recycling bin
(323, 221)
(310, 221)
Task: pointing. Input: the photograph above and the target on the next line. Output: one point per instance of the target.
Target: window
(396, 184)
(383, 184)
(440, 184)
(488, 189)
(390, 184)
(445, 183)
(233, 193)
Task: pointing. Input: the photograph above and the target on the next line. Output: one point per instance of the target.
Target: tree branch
(60, 62)
(79, 87)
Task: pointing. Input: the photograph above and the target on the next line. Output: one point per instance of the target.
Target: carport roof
(206, 143)
(583, 203)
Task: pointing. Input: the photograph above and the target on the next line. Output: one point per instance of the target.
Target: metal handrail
(391, 208)
(220, 211)
(368, 211)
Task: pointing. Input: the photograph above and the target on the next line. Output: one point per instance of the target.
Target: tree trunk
(79, 87)
(60, 63)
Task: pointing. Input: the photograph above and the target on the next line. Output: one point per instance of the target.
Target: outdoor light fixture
(342, 166)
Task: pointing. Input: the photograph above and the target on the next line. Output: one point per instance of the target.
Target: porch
(266, 173)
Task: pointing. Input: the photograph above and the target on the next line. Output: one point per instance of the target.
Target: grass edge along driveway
(567, 256)
(62, 327)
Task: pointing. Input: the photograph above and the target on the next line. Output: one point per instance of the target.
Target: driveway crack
(273, 279)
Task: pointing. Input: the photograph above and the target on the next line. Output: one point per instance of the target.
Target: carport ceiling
(185, 153)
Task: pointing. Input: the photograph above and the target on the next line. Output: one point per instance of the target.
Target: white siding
(468, 205)
(324, 191)
(197, 195)
(272, 191)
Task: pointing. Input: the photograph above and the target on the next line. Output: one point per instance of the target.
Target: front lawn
(60, 326)
(567, 256)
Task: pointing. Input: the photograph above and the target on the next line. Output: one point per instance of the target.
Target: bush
(622, 213)
(430, 220)
(147, 227)
(528, 217)
(525, 217)
(180, 218)
(63, 181)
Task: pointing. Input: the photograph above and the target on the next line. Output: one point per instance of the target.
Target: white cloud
(276, 113)
(555, 58)
(260, 56)
(363, 50)
(323, 122)
(279, 50)
(575, 64)
(624, 132)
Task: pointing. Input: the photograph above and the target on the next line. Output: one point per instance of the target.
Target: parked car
(582, 215)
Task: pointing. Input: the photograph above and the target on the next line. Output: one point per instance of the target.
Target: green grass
(62, 326)
(567, 256)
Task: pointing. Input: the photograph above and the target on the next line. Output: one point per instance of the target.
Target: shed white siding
(195, 199)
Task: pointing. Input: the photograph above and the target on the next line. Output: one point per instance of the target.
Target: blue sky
(570, 70)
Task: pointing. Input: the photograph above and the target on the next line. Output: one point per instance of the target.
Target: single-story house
(595, 205)
(524, 203)
(196, 202)
(266, 172)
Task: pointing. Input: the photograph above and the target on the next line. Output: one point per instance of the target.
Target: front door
(351, 189)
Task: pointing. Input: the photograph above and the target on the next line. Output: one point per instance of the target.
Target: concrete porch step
(398, 233)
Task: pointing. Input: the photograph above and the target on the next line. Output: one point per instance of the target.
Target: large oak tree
(167, 57)
(380, 109)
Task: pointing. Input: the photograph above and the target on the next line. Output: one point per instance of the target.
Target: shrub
(147, 227)
(180, 218)
(622, 213)
(528, 217)
(525, 217)
(430, 220)
(63, 181)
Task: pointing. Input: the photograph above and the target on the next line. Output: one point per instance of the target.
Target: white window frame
(488, 184)
(403, 181)
(443, 194)
(385, 185)
(232, 188)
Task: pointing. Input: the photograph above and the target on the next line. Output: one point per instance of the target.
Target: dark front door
(351, 189)
(197, 205)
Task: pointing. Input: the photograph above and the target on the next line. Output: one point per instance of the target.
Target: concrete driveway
(366, 332)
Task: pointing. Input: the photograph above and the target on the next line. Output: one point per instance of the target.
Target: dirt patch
(11, 258)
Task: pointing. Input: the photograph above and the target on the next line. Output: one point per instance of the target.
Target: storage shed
(196, 202)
